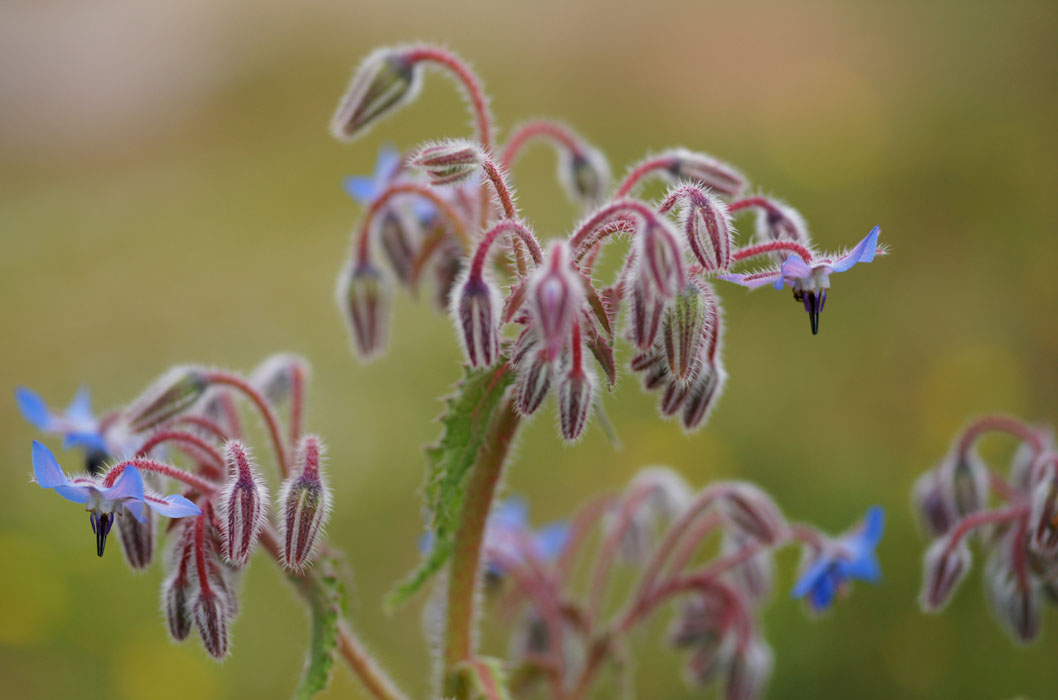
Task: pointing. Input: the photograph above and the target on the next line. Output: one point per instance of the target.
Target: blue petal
(863, 252)
(129, 486)
(744, 281)
(512, 513)
(812, 576)
(77, 494)
(175, 506)
(34, 409)
(46, 469)
(88, 441)
(873, 525)
(423, 209)
(360, 188)
(386, 165)
(793, 269)
(823, 593)
(863, 567)
(80, 410)
(135, 508)
(551, 539)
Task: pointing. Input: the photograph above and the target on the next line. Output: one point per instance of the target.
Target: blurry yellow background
(170, 194)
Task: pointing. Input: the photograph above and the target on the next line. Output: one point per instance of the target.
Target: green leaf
(465, 421)
(482, 678)
(324, 589)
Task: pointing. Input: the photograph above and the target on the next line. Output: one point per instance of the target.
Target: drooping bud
(944, 568)
(275, 377)
(241, 503)
(555, 295)
(476, 309)
(171, 394)
(703, 394)
(534, 380)
(449, 162)
(646, 308)
(178, 588)
(749, 671)
(363, 298)
(304, 502)
(683, 331)
(1014, 599)
(782, 223)
(585, 175)
(753, 576)
(211, 617)
(673, 398)
(659, 261)
(446, 273)
(576, 393)
(137, 539)
(1043, 518)
(385, 81)
(751, 512)
(1026, 457)
(964, 480)
(930, 504)
(703, 168)
(707, 226)
(397, 237)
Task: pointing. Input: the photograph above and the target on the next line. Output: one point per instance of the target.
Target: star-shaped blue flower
(77, 424)
(365, 189)
(851, 557)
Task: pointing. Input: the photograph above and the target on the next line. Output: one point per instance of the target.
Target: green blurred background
(170, 194)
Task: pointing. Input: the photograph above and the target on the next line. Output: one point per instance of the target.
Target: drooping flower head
(77, 424)
(841, 560)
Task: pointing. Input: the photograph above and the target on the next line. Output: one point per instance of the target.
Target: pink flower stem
(582, 523)
(755, 203)
(297, 404)
(603, 216)
(205, 424)
(753, 251)
(231, 413)
(264, 408)
(203, 486)
(185, 439)
(512, 226)
(542, 128)
(985, 517)
(1000, 423)
(363, 241)
(645, 168)
(465, 75)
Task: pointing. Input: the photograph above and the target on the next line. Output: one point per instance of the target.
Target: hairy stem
(267, 414)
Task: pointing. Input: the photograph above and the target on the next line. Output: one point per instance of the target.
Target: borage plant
(531, 318)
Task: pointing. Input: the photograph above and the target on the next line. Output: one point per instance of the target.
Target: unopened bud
(476, 309)
(173, 393)
(177, 588)
(700, 621)
(211, 618)
(1043, 518)
(576, 392)
(752, 513)
(782, 223)
(241, 503)
(709, 171)
(137, 539)
(449, 162)
(964, 481)
(749, 671)
(364, 299)
(585, 175)
(304, 501)
(275, 377)
(446, 273)
(1014, 599)
(385, 81)
(673, 398)
(702, 395)
(659, 258)
(555, 295)
(646, 310)
(754, 575)
(534, 380)
(944, 568)
(683, 331)
(930, 504)
(707, 225)
(397, 236)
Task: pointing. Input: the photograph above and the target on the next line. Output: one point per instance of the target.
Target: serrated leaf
(465, 421)
(324, 589)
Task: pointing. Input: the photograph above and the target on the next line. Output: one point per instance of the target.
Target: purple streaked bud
(755, 575)
(576, 392)
(1026, 458)
(659, 261)
(673, 398)
(709, 171)
(1014, 599)
(782, 223)
(447, 272)
(1043, 518)
(930, 504)
(476, 310)
(749, 671)
(396, 234)
(683, 331)
(385, 81)
(363, 297)
(534, 380)
(944, 568)
(646, 308)
(655, 376)
(177, 592)
(304, 501)
(449, 162)
(701, 620)
(703, 394)
(555, 296)
(585, 175)
(752, 513)
(171, 394)
(964, 481)
(275, 377)
(211, 617)
(707, 226)
(137, 539)
(241, 503)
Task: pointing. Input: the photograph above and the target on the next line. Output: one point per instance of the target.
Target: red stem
(477, 265)
(1001, 423)
(201, 485)
(263, 407)
(757, 203)
(553, 131)
(205, 424)
(163, 436)
(462, 71)
(752, 251)
(642, 170)
(363, 236)
(985, 517)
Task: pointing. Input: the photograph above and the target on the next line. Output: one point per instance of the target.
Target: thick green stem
(464, 570)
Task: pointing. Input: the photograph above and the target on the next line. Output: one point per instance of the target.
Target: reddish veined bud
(673, 398)
(211, 617)
(241, 503)
(944, 568)
(304, 502)
(476, 310)
(1043, 518)
(576, 392)
(752, 513)
(709, 171)
(363, 297)
(646, 308)
(447, 272)
(449, 162)
(964, 483)
(385, 81)
(170, 395)
(755, 575)
(707, 226)
(703, 394)
(749, 671)
(396, 233)
(534, 380)
(137, 539)
(930, 504)
(275, 377)
(178, 586)
(700, 621)
(683, 331)
(1014, 600)
(585, 175)
(555, 295)
(782, 223)
(659, 261)
(1026, 460)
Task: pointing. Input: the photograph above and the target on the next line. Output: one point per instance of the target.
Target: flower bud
(585, 175)
(1014, 599)
(702, 395)
(476, 309)
(700, 621)
(709, 171)
(447, 272)
(576, 392)
(137, 539)
(645, 312)
(1043, 518)
(364, 299)
(449, 162)
(944, 568)
(385, 81)
(751, 512)
(673, 398)
(753, 576)
(211, 618)
(304, 501)
(275, 377)
(683, 331)
(930, 504)
(555, 295)
(534, 380)
(241, 503)
(707, 226)
(178, 587)
(749, 671)
(396, 234)
(173, 393)
(782, 223)
(1026, 459)
(964, 483)
(659, 258)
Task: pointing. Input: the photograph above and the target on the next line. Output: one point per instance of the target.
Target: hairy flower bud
(534, 380)
(171, 394)
(1013, 598)
(1043, 518)
(476, 310)
(944, 568)
(707, 226)
(211, 617)
(646, 308)
(385, 81)
(363, 298)
(178, 586)
(585, 175)
(751, 512)
(753, 576)
(304, 502)
(576, 392)
(703, 394)
(555, 296)
(683, 330)
(449, 162)
(397, 236)
(275, 377)
(930, 504)
(749, 671)
(447, 273)
(964, 481)
(137, 539)
(659, 258)
(782, 223)
(714, 174)
(241, 503)
(673, 398)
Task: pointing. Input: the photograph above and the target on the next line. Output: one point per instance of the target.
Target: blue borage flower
(810, 279)
(77, 424)
(365, 189)
(103, 502)
(851, 557)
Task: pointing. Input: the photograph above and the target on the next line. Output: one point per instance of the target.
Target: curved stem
(465, 75)
(557, 133)
(752, 251)
(648, 166)
(464, 569)
(1001, 423)
(263, 407)
(363, 235)
(205, 424)
(477, 264)
(201, 485)
(755, 203)
(163, 436)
